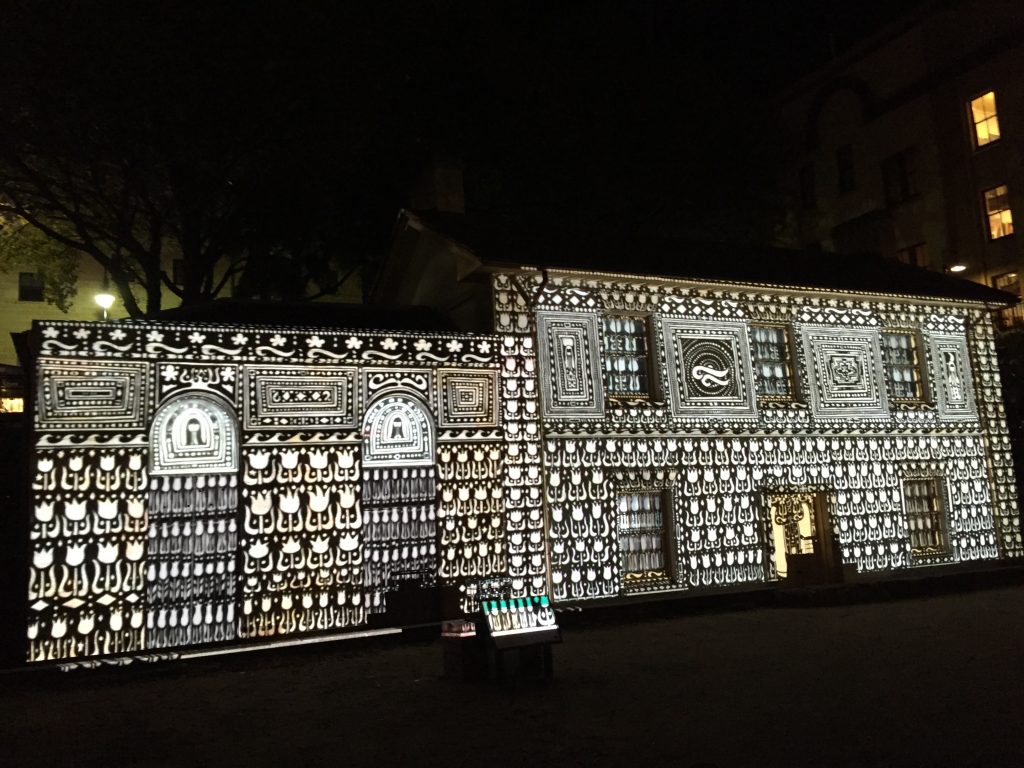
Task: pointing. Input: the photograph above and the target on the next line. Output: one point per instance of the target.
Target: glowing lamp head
(104, 300)
(958, 268)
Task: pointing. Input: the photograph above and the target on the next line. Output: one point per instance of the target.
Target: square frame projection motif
(468, 398)
(570, 368)
(709, 368)
(92, 395)
(954, 387)
(844, 368)
(300, 397)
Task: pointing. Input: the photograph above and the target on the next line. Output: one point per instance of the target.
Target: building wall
(909, 89)
(718, 458)
(199, 484)
(16, 316)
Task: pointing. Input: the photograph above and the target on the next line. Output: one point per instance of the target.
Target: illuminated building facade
(612, 436)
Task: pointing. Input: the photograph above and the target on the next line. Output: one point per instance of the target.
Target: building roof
(311, 314)
(497, 242)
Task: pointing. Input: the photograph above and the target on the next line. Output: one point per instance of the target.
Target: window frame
(972, 124)
(1010, 316)
(23, 288)
(918, 348)
(915, 249)
(898, 172)
(669, 573)
(987, 214)
(652, 392)
(790, 363)
(807, 187)
(939, 484)
(846, 170)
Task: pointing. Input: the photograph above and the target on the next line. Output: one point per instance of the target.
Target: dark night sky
(318, 115)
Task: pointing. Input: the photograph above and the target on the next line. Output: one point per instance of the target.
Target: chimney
(439, 187)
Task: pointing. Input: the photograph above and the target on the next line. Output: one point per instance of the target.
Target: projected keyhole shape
(193, 434)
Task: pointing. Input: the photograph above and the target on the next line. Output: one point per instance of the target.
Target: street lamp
(958, 268)
(105, 301)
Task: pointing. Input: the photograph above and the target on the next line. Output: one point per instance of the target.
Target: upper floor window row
(629, 370)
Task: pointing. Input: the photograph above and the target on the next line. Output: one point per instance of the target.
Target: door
(805, 549)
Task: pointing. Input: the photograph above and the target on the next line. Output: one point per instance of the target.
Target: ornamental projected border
(87, 395)
(844, 371)
(398, 430)
(193, 433)
(708, 366)
(569, 365)
(296, 397)
(955, 390)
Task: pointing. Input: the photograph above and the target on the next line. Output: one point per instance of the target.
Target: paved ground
(922, 682)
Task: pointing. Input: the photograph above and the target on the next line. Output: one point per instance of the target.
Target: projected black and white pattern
(197, 485)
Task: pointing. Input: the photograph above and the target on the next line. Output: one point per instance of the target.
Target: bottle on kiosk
(529, 614)
(545, 616)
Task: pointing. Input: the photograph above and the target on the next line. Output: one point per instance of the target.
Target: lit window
(626, 356)
(642, 536)
(30, 286)
(772, 362)
(902, 366)
(926, 517)
(898, 177)
(808, 191)
(914, 255)
(846, 179)
(12, 405)
(997, 208)
(985, 119)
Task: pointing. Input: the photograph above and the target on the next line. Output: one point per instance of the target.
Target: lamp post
(105, 301)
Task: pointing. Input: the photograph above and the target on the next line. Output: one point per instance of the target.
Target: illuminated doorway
(805, 551)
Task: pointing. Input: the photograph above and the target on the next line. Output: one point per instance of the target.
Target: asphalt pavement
(920, 681)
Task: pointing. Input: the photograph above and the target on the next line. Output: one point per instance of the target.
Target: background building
(911, 145)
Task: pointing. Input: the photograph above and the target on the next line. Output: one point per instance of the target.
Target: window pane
(626, 356)
(902, 366)
(30, 287)
(926, 518)
(641, 528)
(985, 119)
(992, 127)
(1000, 217)
(771, 362)
(844, 169)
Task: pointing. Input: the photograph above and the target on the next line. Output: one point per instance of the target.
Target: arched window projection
(399, 498)
(193, 528)
(193, 434)
(398, 430)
